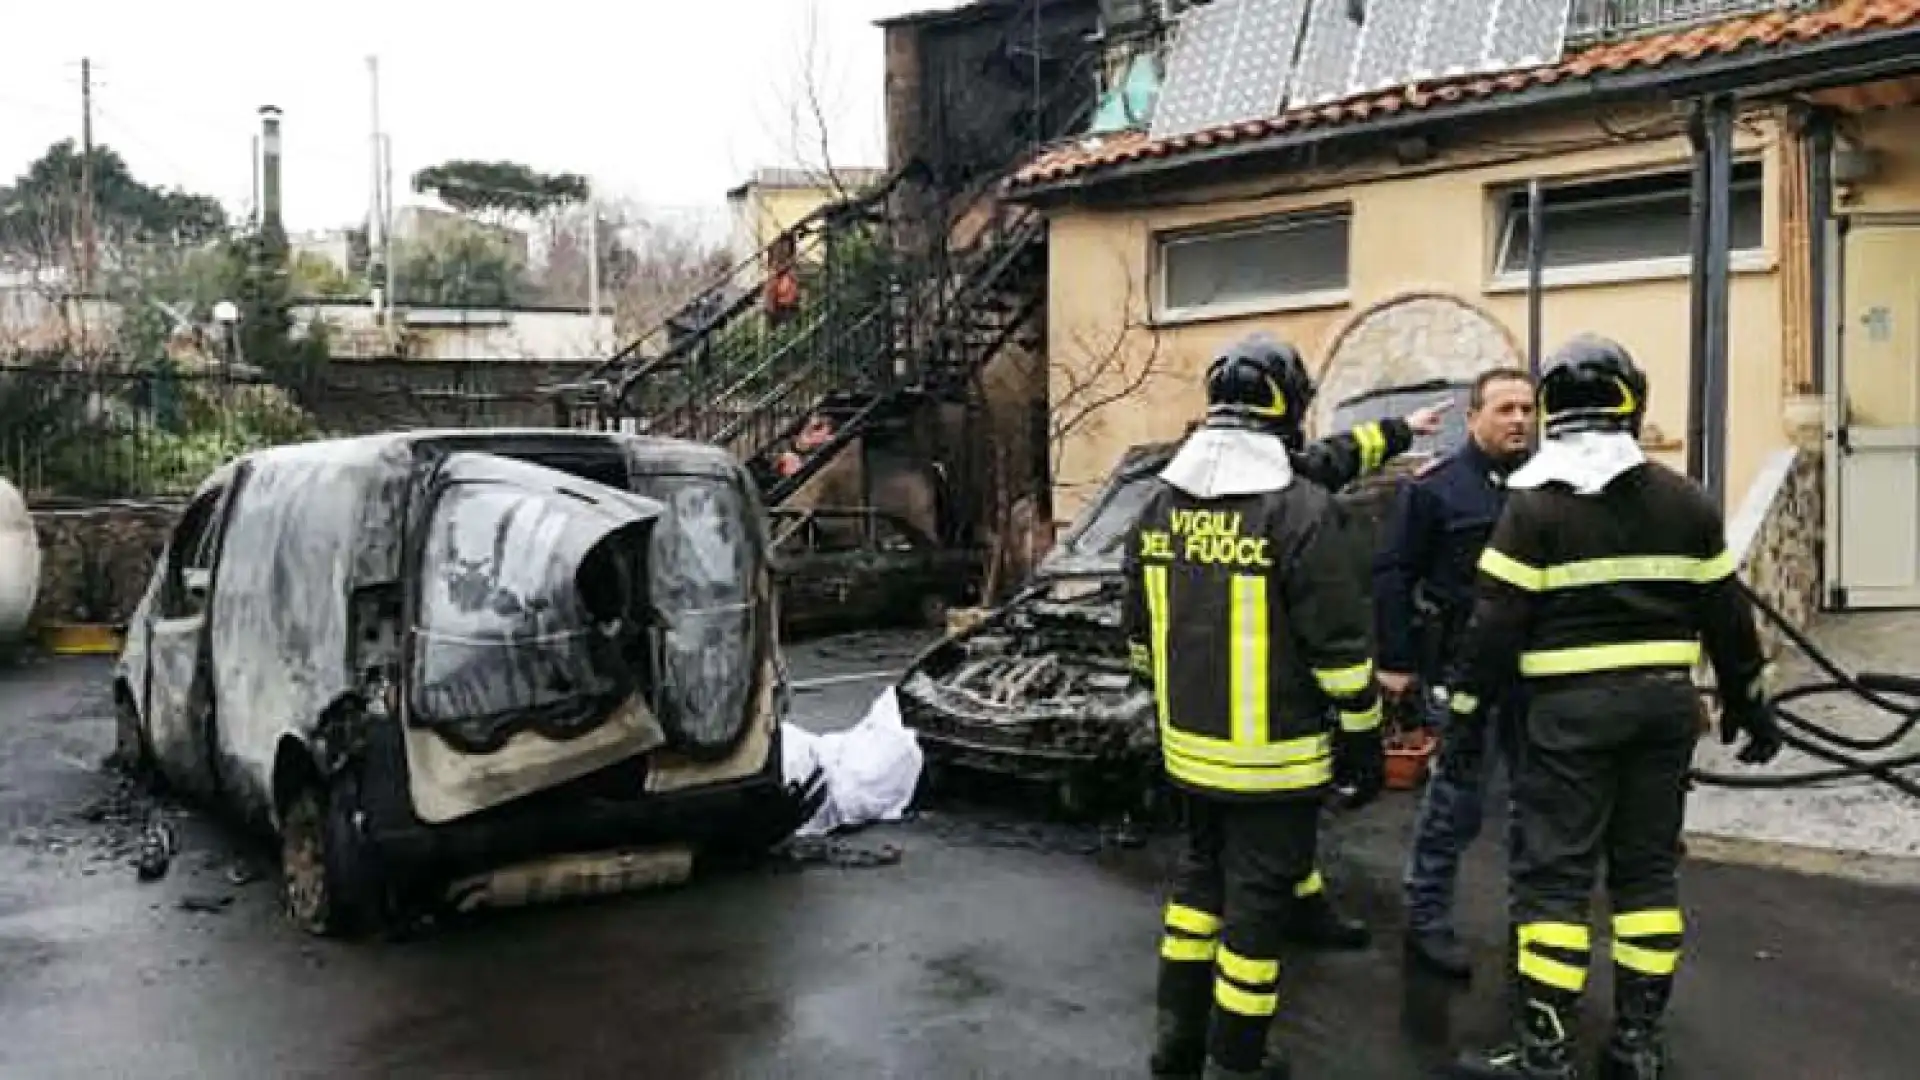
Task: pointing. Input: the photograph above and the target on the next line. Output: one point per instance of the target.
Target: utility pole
(376, 216)
(593, 266)
(86, 176)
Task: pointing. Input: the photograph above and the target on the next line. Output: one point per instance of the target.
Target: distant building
(774, 199)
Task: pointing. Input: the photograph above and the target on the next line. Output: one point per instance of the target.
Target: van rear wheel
(320, 866)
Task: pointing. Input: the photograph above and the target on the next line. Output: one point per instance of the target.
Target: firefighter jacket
(1443, 519)
(1340, 459)
(1622, 570)
(1244, 613)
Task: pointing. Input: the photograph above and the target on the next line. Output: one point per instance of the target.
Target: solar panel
(1231, 62)
(1326, 57)
(1407, 41)
(1390, 44)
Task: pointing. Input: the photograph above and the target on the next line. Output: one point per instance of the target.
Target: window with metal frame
(1295, 260)
(1646, 218)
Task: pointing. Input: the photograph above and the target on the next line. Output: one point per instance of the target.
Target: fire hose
(1895, 694)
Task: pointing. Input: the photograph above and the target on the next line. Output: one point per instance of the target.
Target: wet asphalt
(995, 946)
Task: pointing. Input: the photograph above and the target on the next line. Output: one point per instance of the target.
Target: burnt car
(435, 664)
(1040, 689)
(843, 568)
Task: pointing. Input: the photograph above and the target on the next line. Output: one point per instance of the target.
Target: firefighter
(1604, 578)
(1443, 519)
(1333, 463)
(1244, 612)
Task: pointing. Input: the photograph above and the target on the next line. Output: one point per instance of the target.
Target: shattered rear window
(504, 631)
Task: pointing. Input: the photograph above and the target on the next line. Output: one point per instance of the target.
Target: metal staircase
(877, 331)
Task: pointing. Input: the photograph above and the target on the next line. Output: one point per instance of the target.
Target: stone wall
(95, 561)
(1778, 538)
(1411, 339)
(358, 397)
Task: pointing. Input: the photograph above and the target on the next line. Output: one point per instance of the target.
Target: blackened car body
(420, 658)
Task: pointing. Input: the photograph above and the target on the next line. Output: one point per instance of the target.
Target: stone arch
(1409, 338)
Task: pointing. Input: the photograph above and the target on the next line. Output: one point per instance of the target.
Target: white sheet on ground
(871, 768)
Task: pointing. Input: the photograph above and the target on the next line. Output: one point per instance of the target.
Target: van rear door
(528, 663)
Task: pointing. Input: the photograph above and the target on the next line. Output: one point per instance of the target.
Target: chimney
(270, 168)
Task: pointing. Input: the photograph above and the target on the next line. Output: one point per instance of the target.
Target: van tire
(130, 754)
(321, 865)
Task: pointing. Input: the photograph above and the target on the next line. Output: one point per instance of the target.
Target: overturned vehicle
(1040, 689)
(466, 667)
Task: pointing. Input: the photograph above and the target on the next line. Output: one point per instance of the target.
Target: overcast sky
(669, 102)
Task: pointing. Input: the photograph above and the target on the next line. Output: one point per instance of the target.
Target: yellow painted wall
(1409, 232)
(762, 213)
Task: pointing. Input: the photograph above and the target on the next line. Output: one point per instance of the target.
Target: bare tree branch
(1103, 369)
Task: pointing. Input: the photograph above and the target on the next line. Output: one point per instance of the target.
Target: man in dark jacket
(1605, 576)
(1244, 614)
(1444, 517)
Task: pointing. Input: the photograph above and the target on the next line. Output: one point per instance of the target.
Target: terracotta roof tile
(1717, 39)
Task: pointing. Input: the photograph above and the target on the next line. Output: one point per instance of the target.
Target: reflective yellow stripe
(1463, 703)
(1192, 920)
(1638, 924)
(1235, 1000)
(1365, 720)
(1644, 960)
(1545, 969)
(1140, 658)
(1246, 780)
(1246, 970)
(1313, 884)
(1621, 568)
(1612, 571)
(1269, 755)
(1156, 580)
(1182, 950)
(1503, 567)
(1339, 682)
(1373, 446)
(1553, 973)
(1556, 935)
(1636, 654)
(1247, 624)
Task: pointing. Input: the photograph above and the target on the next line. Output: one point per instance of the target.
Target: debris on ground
(205, 903)
(871, 769)
(846, 855)
(158, 845)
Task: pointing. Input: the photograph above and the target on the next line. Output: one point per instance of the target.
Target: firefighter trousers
(1602, 777)
(1243, 865)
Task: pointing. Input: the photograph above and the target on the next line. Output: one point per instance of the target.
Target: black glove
(1359, 766)
(1754, 717)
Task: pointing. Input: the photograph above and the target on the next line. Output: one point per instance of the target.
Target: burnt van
(466, 666)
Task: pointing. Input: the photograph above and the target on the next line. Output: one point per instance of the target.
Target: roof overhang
(1759, 73)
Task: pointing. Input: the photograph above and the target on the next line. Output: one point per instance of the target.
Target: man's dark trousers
(1451, 814)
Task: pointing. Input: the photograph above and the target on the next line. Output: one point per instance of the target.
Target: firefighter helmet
(1262, 380)
(1592, 384)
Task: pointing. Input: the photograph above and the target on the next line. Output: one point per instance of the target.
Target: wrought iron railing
(1591, 22)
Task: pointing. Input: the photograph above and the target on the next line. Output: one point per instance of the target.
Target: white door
(1873, 463)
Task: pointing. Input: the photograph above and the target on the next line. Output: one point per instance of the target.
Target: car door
(178, 669)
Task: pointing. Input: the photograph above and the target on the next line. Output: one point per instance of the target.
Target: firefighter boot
(1271, 1069)
(1313, 921)
(1179, 1044)
(1541, 1050)
(1637, 1050)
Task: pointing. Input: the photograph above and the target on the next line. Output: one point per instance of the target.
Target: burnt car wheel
(321, 872)
(130, 753)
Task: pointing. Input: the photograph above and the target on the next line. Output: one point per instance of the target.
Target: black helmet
(1262, 381)
(1592, 384)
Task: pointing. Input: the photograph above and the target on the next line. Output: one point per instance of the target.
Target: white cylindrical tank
(19, 563)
